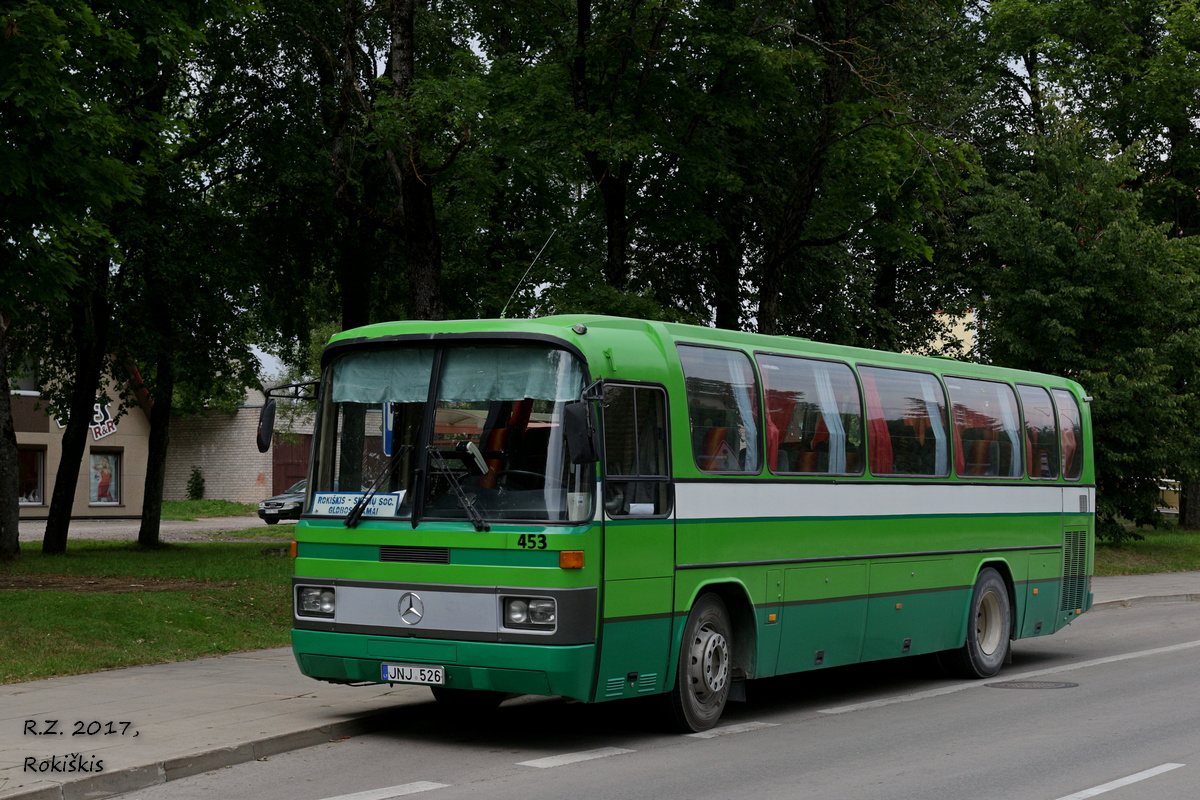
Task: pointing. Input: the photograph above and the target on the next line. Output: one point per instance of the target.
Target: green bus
(604, 508)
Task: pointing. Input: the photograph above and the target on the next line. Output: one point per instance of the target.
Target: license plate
(413, 673)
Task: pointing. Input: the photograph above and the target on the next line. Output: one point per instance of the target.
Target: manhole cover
(1033, 685)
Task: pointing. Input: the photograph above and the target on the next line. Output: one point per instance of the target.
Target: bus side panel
(1040, 593)
(825, 616)
(635, 635)
(915, 607)
(634, 644)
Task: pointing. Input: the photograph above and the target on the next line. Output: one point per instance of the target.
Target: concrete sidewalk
(196, 716)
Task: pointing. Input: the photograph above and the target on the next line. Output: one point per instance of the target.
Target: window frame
(608, 478)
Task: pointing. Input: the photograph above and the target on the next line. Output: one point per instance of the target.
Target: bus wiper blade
(439, 462)
(360, 505)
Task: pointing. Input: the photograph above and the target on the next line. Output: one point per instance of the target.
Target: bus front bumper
(515, 668)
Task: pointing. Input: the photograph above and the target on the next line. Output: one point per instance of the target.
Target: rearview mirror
(266, 425)
(580, 431)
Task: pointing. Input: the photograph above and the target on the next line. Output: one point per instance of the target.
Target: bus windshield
(488, 442)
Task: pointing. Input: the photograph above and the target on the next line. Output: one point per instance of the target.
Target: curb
(142, 776)
(1129, 602)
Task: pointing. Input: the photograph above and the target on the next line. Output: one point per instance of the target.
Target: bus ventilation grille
(1074, 584)
(415, 555)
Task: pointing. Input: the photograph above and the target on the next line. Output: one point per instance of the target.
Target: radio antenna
(531, 263)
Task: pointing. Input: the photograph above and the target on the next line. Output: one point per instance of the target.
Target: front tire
(989, 630)
(705, 666)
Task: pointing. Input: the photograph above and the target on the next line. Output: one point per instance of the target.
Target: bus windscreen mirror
(581, 442)
(266, 425)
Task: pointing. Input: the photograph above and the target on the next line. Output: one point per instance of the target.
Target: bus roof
(579, 331)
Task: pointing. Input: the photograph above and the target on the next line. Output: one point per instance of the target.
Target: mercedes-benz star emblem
(411, 608)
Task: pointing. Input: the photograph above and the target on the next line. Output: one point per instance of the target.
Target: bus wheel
(705, 668)
(988, 631)
(470, 700)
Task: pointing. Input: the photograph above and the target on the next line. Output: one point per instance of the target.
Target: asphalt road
(1107, 708)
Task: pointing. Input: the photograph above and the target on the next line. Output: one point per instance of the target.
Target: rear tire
(989, 630)
(705, 666)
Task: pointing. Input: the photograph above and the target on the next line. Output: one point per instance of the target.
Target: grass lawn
(1167, 550)
(193, 510)
(106, 604)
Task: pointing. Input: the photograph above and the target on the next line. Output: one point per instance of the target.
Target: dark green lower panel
(634, 660)
(516, 668)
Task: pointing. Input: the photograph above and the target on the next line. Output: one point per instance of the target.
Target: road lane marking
(1117, 784)
(571, 758)
(728, 729)
(391, 791)
(962, 687)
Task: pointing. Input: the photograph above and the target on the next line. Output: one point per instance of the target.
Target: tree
(60, 171)
(1074, 281)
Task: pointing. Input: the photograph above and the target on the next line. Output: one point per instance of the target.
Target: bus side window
(1041, 432)
(813, 416)
(906, 422)
(722, 397)
(635, 452)
(1070, 431)
(986, 428)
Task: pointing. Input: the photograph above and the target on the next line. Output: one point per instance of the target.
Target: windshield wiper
(360, 505)
(439, 463)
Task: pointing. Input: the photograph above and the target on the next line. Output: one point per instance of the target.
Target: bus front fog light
(316, 601)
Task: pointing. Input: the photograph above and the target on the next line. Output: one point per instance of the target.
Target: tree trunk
(89, 330)
(156, 456)
(10, 509)
(1189, 505)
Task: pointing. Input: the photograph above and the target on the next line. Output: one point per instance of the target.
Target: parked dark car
(283, 506)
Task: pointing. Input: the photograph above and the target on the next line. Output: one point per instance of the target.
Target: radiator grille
(1074, 583)
(415, 555)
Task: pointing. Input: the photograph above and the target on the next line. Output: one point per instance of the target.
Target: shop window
(105, 480)
(31, 477)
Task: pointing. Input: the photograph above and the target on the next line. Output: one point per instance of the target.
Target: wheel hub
(711, 666)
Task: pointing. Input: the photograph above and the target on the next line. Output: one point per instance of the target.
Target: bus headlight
(316, 601)
(538, 613)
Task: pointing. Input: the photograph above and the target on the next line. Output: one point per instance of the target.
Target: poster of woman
(104, 479)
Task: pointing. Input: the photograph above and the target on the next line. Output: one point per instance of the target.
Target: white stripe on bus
(733, 500)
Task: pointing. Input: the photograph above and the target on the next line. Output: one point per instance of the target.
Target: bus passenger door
(639, 542)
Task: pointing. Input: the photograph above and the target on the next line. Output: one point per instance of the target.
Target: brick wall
(222, 446)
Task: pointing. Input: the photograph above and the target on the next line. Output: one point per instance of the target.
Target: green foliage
(195, 484)
(1073, 281)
